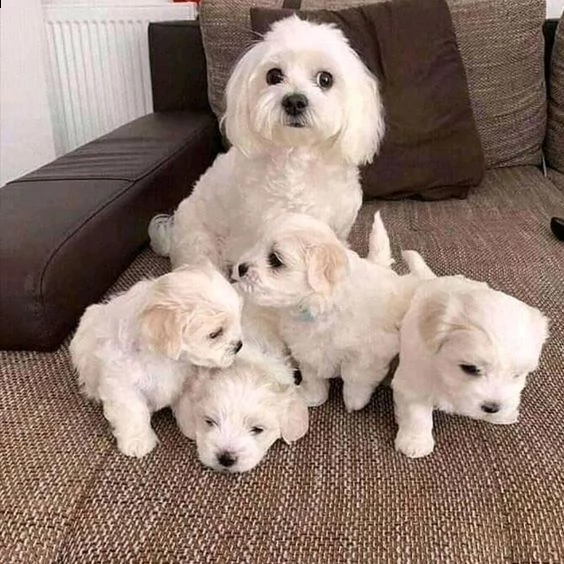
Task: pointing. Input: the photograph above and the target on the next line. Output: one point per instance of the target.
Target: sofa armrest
(69, 229)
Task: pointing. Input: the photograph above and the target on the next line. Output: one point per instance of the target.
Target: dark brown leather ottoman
(69, 229)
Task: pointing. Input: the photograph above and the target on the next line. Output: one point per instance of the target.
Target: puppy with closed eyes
(465, 349)
(338, 314)
(135, 352)
(235, 414)
(303, 113)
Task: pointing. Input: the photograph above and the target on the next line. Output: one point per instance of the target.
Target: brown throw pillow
(554, 142)
(431, 149)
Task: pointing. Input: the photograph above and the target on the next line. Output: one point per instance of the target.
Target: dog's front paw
(508, 419)
(138, 445)
(356, 398)
(415, 445)
(314, 392)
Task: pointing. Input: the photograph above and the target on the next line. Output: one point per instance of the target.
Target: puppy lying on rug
(338, 313)
(135, 352)
(303, 112)
(235, 414)
(465, 349)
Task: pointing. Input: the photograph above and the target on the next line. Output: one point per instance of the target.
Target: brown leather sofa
(341, 494)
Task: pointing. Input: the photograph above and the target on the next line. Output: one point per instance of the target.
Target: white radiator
(99, 66)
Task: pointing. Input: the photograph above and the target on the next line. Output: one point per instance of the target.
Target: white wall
(26, 134)
(554, 8)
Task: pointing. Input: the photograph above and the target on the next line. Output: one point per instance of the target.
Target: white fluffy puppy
(135, 352)
(338, 313)
(303, 112)
(235, 414)
(465, 349)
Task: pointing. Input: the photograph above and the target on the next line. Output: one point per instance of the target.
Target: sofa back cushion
(500, 42)
(555, 129)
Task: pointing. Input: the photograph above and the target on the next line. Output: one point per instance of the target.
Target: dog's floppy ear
(326, 266)
(434, 323)
(363, 125)
(162, 329)
(237, 119)
(294, 417)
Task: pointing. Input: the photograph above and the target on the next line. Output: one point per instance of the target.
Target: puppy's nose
(242, 269)
(238, 346)
(490, 407)
(226, 459)
(294, 104)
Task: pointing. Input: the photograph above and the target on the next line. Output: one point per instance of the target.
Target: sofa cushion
(431, 148)
(554, 145)
(68, 229)
(501, 44)
(341, 494)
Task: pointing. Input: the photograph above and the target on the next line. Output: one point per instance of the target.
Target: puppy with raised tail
(465, 349)
(338, 314)
(303, 112)
(235, 414)
(135, 352)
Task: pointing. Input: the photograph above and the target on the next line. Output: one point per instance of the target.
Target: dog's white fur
(452, 323)
(240, 411)
(274, 166)
(135, 352)
(338, 313)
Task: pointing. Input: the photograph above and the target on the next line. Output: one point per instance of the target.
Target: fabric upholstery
(500, 41)
(431, 147)
(69, 229)
(555, 128)
(341, 494)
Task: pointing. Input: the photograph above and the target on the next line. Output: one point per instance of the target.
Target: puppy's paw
(356, 399)
(314, 393)
(138, 445)
(414, 445)
(508, 419)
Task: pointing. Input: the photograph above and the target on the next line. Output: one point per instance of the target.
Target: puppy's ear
(294, 417)
(326, 267)
(237, 119)
(363, 127)
(434, 323)
(161, 327)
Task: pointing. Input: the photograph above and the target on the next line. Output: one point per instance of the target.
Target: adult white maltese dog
(303, 112)
(135, 352)
(465, 349)
(338, 313)
(235, 414)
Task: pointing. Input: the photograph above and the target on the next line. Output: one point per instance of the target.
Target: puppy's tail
(417, 266)
(159, 233)
(379, 250)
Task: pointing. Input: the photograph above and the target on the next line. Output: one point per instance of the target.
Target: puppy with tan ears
(235, 414)
(338, 314)
(465, 349)
(135, 352)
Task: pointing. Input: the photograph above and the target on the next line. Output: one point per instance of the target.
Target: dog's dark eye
(210, 422)
(256, 430)
(274, 261)
(216, 334)
(470, 369)
(274, 76)
(324, 80)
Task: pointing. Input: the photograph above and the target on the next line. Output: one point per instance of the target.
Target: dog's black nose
(226, 459)
(238, 346)
(294, 104)
(490, 407)
(242, 269)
